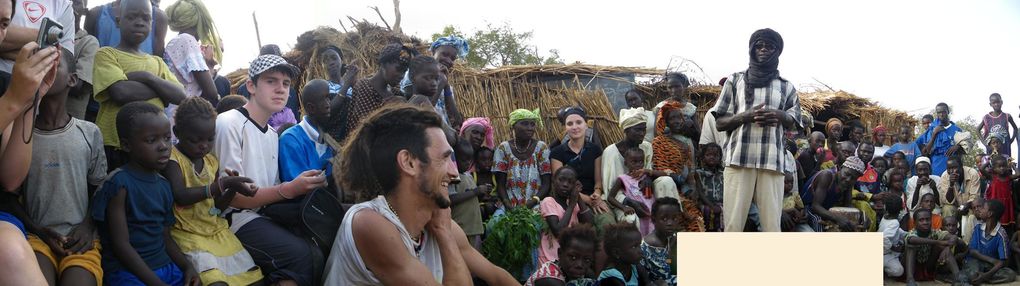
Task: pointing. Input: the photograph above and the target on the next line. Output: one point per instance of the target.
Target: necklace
(417, 240)
(519, 150)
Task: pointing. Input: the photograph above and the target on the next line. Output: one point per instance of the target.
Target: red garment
(999, 189)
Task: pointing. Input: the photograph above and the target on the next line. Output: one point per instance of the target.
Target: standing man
(756, 107)
(937, 141)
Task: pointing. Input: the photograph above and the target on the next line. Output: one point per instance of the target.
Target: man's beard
(437, 196)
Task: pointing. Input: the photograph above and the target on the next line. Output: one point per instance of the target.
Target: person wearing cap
(831, 188)
(247, 144)
(582, 155)
(446, 50)
(633, 122)
(755, 108)
(124, 74)
(924, 182)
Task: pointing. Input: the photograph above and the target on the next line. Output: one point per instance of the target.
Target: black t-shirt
(584, 163)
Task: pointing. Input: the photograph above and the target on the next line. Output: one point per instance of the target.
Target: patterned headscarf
(831, 122)
(879, 128)
(458, 43)
(185, 14)
(854, 163)
(485, 124)
(632, 117)
(524, 114)
(660, 120)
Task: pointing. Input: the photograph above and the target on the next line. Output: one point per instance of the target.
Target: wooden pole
(258, 36)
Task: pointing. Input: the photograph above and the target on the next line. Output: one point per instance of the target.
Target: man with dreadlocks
(188, 59)
(756, 107)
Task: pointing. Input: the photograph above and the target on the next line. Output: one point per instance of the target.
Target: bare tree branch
(353, 22)
(342, 25)
(376, 8)
(396, 21)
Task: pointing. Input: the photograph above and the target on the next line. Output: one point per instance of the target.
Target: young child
(895, 183)
(230, 102)
(892, 235)
(711, 174)
(900, 162)
(200, 195)
(996, 122)
(636, 186)
(125, 74)
(667, 215)
(986, 262)
(578, 245)
(483, 176)
(928, 202)
(134, 208)
(926, 248)
(562, 210)
(1001, 188)
(794, 219)
(68, 163)
(881, 165)
(464, 196)
(621, 243)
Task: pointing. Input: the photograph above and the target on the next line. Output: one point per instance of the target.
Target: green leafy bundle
(512, 239)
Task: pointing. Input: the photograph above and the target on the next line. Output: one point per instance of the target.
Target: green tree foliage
(498, 46)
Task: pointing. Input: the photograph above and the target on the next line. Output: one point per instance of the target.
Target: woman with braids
(522, 168)
(371, 93)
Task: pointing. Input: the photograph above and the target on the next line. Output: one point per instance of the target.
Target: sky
(907, 55)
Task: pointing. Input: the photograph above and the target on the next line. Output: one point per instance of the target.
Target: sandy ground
(892, 282)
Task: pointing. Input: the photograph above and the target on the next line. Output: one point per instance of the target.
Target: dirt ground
(893, 282)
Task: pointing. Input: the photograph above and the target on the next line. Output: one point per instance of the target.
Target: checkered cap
(266, 62)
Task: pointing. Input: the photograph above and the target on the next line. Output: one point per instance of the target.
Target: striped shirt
(751, 145)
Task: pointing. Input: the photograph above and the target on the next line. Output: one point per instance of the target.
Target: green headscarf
(524, 114)
(185, 14)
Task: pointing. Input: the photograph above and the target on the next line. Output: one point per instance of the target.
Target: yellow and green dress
(205, 238)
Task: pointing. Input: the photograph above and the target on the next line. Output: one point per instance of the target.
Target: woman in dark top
(582, 155)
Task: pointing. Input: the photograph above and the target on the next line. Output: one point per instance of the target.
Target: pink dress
(548, 247)
(632, 189)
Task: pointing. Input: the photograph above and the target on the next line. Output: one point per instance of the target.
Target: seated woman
(583, 156)
(829, 189)
(633, 125)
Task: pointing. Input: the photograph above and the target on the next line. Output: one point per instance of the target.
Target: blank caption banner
(774, 258)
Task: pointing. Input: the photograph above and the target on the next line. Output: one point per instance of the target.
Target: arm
(556, 165)
(17, 36)
(122, 249)
(182, 196)
(159, 21)
(617, 186)
(543, 191)
(466, 195)
(981, 130)
(820, 192)
(558, 224)
(996, 265)
(169, 92)
(90, 20)
(306, 182)
(456, 118)
(382, 250)
(17, 155)
(208, 86)
(127, 91)
(598, 176)
(339, 102)
(728, 123)
(178, 258)
(501, 188)
(1011, 138)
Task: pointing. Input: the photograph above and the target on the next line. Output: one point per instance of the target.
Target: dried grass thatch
(825, 104)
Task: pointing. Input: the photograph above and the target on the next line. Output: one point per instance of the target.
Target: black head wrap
(759, 74)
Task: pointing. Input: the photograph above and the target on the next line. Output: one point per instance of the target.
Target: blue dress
(149, 210)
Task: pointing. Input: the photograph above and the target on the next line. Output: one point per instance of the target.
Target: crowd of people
(127, 161)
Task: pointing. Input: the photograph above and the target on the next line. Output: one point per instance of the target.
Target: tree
(499, 46)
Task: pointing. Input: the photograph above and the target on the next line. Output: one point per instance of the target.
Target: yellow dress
(206, 239)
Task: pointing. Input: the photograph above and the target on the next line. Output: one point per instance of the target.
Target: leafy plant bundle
(512, 239)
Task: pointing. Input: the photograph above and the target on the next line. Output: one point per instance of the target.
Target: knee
(14, 246)
(894, 269)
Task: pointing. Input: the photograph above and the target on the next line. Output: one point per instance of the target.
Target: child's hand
(483, 190)
(642, 211)
(79, 240)
(54, 240)
(787, 221)
(191, 277)
(627, 210)
(241, 185)
(575, 194)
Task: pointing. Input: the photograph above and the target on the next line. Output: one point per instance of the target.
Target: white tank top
(345, 266)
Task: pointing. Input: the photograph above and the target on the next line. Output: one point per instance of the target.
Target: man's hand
(33, 71)
(846, 225)
(440, 222)
(308, 181)
(937, 130)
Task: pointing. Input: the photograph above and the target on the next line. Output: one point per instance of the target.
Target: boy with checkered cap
(245, 143)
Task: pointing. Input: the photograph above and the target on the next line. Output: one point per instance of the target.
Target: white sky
(907, 55)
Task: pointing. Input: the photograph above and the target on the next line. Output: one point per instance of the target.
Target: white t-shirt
(251, 150)
(892, 235)
(29, 13)
(926, 189)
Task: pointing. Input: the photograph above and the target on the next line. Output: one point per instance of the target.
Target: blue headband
(457, 42)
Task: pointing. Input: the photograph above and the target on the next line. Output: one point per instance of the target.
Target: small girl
(794, 219)
(483, 176)
(134, 207)
(578, 245)
(1001, 188)
(561, 210)
(200, 197)
(637, 189)
(622, 245)
(667, 214)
